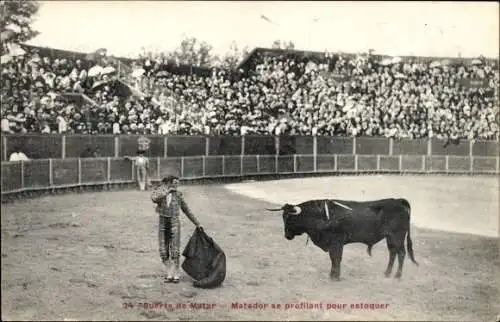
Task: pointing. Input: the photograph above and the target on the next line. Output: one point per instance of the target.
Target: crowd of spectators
(282, 93)
(42, 94)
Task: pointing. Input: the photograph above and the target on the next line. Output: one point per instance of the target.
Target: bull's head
(290, 220)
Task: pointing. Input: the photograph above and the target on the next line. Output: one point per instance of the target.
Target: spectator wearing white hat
(62, 124)
(18, 155)
(6, 126)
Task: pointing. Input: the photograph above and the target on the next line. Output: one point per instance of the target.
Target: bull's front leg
(336, 257)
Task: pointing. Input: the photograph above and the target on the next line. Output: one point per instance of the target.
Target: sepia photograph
(250, 160)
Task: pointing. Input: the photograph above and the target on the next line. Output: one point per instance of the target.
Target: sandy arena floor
(93, 255)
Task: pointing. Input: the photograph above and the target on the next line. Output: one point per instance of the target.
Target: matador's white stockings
(173, 268)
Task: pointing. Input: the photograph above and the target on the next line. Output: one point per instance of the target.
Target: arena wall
(54, 146)
(193, 158)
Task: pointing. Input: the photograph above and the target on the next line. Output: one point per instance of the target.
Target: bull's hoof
(398, 275)
(387, 274)
(335, 278)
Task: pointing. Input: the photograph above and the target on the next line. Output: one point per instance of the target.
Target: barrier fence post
(400, 164)
(335, 161)
(117, 146)
(356, 163)
(258, 163)
(22, 174)
(391, 145)
(204, 164)
(277, 147)
(132, 169)
(429, 146)
(294, 163)
(315, 153)
(471, 164)
(51, 173)
(158, 167)
(277, 144)
(165, 146)
(182, 167)
(79, 171)
(4, 139)
(223, 166)
(241, 164)
(63, 147)
(354, 145)
(242, 145)
(109, 169)
(207, 145)
(446, 163)
(498, 164)
(378, 162)
(423, 164)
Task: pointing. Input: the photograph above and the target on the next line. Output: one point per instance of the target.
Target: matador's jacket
(169, 203)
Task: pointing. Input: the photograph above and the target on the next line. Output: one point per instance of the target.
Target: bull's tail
(409, 246)
(409, 243)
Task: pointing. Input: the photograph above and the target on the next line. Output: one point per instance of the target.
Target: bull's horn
(277, 209)
(297, 209)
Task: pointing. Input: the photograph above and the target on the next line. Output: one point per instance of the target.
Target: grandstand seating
(271, 92)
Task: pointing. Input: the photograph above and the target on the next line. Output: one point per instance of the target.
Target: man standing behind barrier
(169, 202)
(142, 169)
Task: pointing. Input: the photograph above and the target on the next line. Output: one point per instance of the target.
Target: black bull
(331, 224)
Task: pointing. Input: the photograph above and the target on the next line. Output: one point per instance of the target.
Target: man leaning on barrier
(169, 202)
